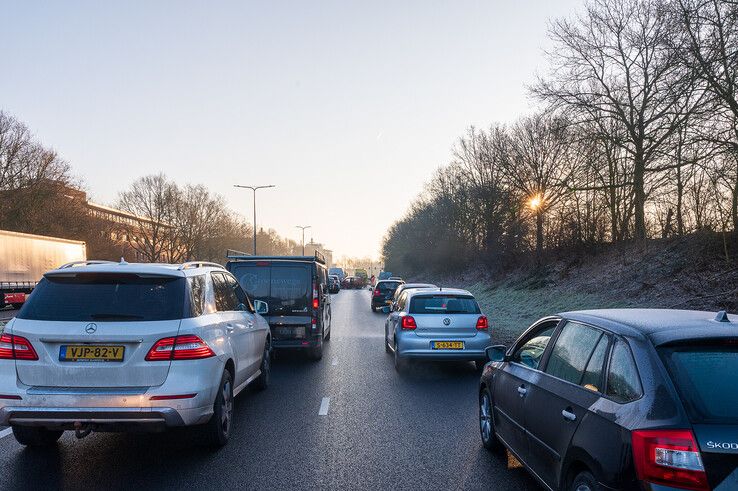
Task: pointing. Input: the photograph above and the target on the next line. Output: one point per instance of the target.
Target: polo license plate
(448, 345)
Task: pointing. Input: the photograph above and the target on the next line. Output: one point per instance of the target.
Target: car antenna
(722, 316)
(122, 261)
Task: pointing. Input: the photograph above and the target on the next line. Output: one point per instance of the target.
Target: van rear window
(106, 297)
(444, 304)
(287, 288)
(705, 377)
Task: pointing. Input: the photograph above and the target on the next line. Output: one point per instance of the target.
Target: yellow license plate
(88, 352)
(448, 345)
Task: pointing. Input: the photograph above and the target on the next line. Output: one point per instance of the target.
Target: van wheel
(585, 481)
(33, 436)
(217, 431)
(316, 353)
(262, 382)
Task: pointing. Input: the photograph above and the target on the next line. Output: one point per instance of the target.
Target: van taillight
(408, 322)
(16, 348)
(316, 300)
(189, 347)
(669, 457)
(482, 322)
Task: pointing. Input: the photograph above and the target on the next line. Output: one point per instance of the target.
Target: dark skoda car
(618, 399)
(296, 290)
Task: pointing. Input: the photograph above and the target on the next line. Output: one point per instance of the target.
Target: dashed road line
(324, 405)
(335, 362)
(6, 432)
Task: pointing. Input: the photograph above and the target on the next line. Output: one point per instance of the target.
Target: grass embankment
(690, 272)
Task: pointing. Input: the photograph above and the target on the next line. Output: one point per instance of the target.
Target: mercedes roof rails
(84, 263)
(199, 264)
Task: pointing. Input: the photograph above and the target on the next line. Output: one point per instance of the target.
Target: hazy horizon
(370, 98)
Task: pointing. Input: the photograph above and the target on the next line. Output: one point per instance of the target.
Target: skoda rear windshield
(286, 287)
(444, 304)
(705, 377)
(104, 297)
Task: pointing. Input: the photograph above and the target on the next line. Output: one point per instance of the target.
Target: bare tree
(614, 62)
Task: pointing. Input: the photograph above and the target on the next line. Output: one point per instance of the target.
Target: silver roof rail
(84, 263)
(199, 264)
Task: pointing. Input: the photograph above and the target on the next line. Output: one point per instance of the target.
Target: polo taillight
(669, 457)
(482, 322)
(408, 322)
(188, 347)
(16, 348)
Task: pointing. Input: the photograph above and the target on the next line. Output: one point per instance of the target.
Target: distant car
(383, 293)
(385, 275)
(396, 278)
(349, 283)
(337, 272)
(632, 399)
(296, 288)
(334, 284)
(140, 347)
(410, 286)
(441, 324)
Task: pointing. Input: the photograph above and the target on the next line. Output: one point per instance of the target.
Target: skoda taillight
(670, 458)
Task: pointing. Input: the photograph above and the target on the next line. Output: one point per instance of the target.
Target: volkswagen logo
(91, 328)
(446, 321)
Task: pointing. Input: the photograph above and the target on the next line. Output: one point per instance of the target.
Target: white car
(102, 346)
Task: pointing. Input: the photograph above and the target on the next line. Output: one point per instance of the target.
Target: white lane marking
(335, 362)
(6, 432)
(324, 405)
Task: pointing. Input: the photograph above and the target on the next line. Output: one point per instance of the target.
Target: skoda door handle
(522, 391)
(568, 414)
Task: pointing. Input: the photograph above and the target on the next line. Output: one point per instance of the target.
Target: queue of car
(590, 400)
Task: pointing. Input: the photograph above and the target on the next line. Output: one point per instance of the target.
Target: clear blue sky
(367, 97)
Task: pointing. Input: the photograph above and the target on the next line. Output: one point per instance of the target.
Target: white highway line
(335, 362)
(324, 405)
(6, 432)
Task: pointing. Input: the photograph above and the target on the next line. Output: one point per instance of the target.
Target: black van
(296, 289)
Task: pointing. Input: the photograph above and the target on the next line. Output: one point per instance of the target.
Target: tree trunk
(539, 238)
(680, 202)
(639, 197)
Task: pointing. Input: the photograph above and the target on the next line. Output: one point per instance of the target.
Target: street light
(303, 235)
(254, 189)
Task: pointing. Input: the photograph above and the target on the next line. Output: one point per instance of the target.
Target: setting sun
(535, 202)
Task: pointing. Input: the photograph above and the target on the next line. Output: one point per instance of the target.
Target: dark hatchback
(296, 290)
(383, 293)
(618, 399)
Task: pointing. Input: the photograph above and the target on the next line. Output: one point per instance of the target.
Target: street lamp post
(303, 236)
(254, 189)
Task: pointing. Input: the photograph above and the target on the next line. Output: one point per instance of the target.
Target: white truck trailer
(24, 258)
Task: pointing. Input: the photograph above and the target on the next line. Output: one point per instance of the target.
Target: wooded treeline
(637, 137)
(173, 223)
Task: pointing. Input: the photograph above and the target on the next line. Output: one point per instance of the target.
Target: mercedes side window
(225, 296)
(572, 351)
(623, 382)
(197, 294)
(531, 351)
(241, 296)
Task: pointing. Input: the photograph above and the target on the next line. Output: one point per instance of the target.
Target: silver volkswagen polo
(436, 324)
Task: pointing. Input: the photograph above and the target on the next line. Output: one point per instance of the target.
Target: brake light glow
(482, 322)
(9, 396)
(377, 293)
(188, 347)
(408, 322)
(316, 300)
(16, 348)
(669, 457)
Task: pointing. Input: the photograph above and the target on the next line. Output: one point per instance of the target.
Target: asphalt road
(382, 430)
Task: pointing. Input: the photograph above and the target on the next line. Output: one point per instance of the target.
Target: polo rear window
(705, 377)
(444, 304)
(106, 297)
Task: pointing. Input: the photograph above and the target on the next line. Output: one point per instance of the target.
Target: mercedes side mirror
(261, 307)
(496, 353)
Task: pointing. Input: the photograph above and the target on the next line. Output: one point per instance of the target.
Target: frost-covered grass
(511, 310)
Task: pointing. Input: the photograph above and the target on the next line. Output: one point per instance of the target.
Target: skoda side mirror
(386, 309)
(496, 353)
(261, 307)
